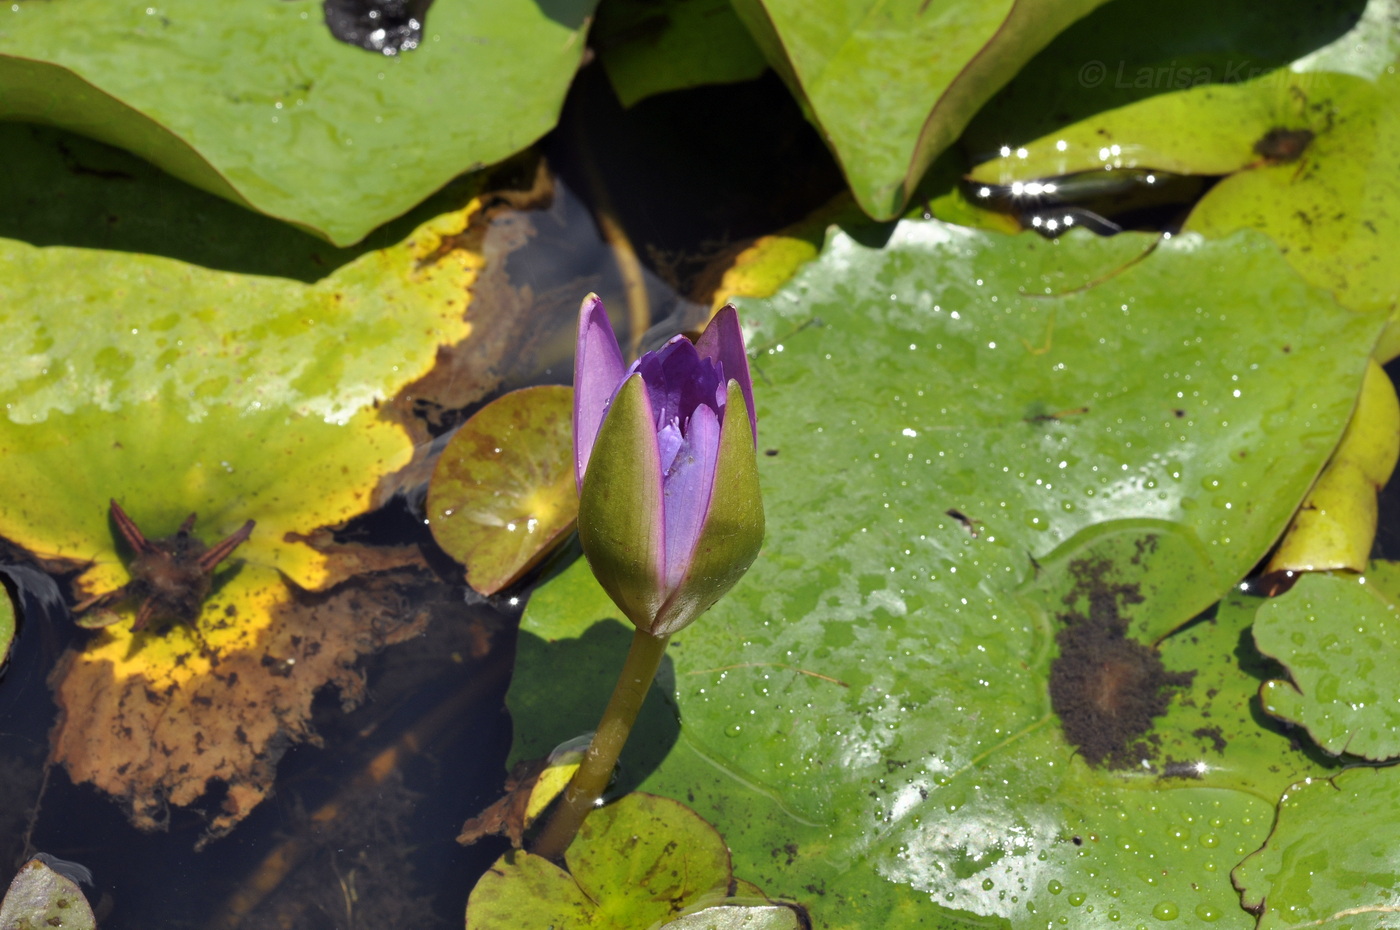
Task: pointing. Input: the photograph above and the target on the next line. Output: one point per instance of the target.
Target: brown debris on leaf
(184, 714)
(1106, 687)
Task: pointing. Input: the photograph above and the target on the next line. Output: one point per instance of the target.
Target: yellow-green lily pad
(1308, 159)
(503, 494)
(178, 389)
(637, 862)
(1338, 636)
(1332, 859)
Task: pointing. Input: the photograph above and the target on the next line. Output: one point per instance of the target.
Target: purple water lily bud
(670, 514)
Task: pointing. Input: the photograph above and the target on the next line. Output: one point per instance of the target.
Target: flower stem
(594, 774)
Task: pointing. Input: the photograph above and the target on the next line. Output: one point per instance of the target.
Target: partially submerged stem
(593, 776)
(629, 265)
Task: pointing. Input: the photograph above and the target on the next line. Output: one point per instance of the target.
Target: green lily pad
(271, 112)
(635, 863)
(503, 493)
(891, 86)
(649, 48)
(1308, 159)
(1338, 636)
(40, 898)
(1332, 858)
(866, 717)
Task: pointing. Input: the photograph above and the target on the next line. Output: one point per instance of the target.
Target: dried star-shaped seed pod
(171, 577)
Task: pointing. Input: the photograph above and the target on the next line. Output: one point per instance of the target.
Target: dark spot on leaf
(1106, 687)
(1283, 145)
(770, 452)
(1218, 742)
(1077, 840)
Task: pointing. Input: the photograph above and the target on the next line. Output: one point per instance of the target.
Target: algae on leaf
(946, 411)
(272, 112)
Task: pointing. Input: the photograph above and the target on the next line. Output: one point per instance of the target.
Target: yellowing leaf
(503, 493)
(175, 389)
(1336, 525)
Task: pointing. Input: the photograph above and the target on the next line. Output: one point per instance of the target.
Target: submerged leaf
(274, 113)
(503, 494)
(1338, 636)
(40, 898)
(872, 700)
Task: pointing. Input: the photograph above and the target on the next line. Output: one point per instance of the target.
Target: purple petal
(678, 380)
(669, 441)
(723, 342)
(686, 491)
(598, 372)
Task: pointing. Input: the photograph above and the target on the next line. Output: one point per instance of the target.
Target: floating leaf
(636, 862)
(1338, 635)
(871, 701)
(890, 86)
(1108, 60)
(272, 112)
(234, 396)
(503, 494)
(40, 898)
(1336, 526)
(1332, 858)
(649, 48)
(1308, 159)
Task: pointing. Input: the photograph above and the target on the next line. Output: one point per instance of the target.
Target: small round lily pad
(503, 494)
(636, 863)
(1336, 635)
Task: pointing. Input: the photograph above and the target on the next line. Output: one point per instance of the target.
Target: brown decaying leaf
(151, 748)
(506, 815)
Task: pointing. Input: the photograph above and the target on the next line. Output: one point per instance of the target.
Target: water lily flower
(670, 515)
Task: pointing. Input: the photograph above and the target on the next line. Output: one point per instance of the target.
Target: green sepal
(733, 531)
(619, 510)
